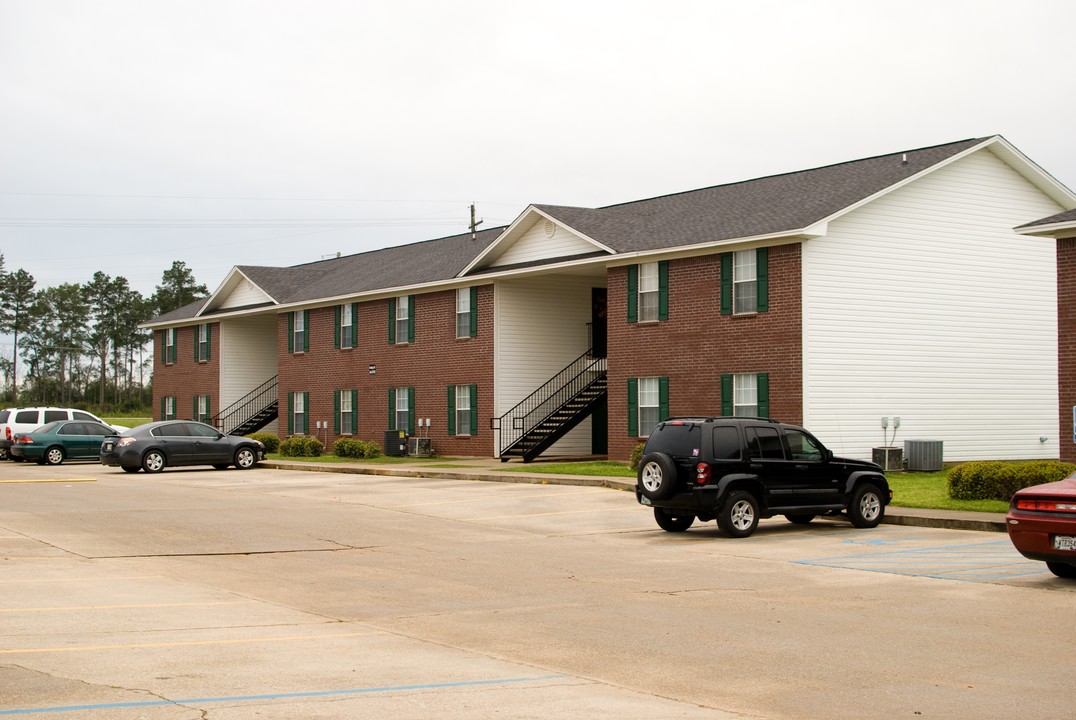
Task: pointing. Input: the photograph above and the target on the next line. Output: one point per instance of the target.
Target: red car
(1042, 525)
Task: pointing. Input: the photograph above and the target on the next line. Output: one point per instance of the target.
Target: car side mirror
(827, 455)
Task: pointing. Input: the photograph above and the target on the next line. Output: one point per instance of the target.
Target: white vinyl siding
(241, 293)
(540, 327)
(248, 357)
(925, 305)
(536, 244)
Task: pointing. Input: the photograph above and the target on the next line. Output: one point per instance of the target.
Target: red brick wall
(697, 344)
(186, 378)
(1066, 343)
(434, 361)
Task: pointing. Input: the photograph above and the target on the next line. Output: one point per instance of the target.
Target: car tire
(866, 509)
(657, 476)
(1062, 570)
(673, 521)
(4, 454)
(245, 458)
(53, 455)
(130, 468)
(739, 515)
(800, 519)
(153, 461)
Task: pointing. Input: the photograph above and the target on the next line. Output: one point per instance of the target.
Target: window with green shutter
(745, 395)
(648, 292)
(648, 404)
(745, 282)
(462, 409)
(345, 412)
(346, 325)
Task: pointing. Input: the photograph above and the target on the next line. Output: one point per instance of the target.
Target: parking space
(278, 594)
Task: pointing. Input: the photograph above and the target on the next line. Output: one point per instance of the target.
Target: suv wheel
(672, 521)
(799, 519)
(657, 476)
(739, 515)
(866, 509)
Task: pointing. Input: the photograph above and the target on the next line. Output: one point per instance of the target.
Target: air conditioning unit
(923, 455)
(419, 447)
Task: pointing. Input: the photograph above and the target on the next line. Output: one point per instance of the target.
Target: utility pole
(474, 224)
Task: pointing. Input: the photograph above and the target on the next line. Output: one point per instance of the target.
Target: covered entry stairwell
(551, 411)
(251, 412)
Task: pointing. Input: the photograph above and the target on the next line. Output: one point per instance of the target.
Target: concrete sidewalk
(492, 470)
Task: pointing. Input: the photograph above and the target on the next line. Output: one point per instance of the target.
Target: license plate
(1064, 542)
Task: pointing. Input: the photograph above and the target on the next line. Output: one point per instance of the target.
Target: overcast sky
(138, 132)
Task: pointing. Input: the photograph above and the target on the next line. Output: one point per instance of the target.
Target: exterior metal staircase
(569, 397)
(251, 412)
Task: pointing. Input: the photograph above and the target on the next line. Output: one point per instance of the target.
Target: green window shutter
(762, 261)
(762, 381)
(410, 318)
(194, 413)
(291, 413)
(209, 407)
(411, 410)
(336, 412)
(355, 333)
(451, 409)
(474, 409)
(306, 330)
(474, 312)
(633, 407)
(633, 293)
(726, 283)
(195, 328)
(726, 395)
(175, 345)
(306, 413)
(208, 341)
(663, 290)
(392, 321)
(291, 335)
(164, 404)
(336, 327)
(663, 397)
(355, 412)
(392, 408)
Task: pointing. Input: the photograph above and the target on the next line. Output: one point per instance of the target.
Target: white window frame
(169, 346)
(403, 409)
(203, 342)
(346, 411)
(463, 410)
(649, 292)
(203, 409)
(346, 341)
(298, 412)
(169, 407)
(403, 305)
(745, 395)
(463, 313)
(649, 404)
(745, 282)
(298, 336)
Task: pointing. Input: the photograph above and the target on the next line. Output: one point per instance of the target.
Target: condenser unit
(923, 455)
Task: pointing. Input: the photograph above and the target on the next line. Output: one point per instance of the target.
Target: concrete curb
(945, 519)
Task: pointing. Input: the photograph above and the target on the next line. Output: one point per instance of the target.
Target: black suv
(738, 470)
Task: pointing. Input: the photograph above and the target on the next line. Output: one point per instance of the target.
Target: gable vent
(550, 228)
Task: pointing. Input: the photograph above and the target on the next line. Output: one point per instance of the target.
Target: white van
(23, 420)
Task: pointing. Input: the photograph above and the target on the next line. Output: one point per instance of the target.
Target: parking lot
(283, 594)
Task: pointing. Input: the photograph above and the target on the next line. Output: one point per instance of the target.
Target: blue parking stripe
(977, 562)
(280, 696)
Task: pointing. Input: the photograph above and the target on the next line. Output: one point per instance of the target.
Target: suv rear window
(676, 442)
(26, 416)
(4, 414)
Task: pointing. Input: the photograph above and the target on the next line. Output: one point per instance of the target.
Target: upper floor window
(347, 325)
(169, 352)
(401, 320)
(402, 307)
(298, 331)
(201, 347)
(467, 312)
(648, 292)
(745, 282)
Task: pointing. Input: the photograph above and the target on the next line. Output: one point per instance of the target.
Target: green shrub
(998, 480)
(636, 456)
(301, 446)
(269, 440)
(351, 448)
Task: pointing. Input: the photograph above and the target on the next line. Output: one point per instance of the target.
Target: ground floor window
(298, 413)
(648, 404)
(347, 402)
(201, 408)
(402, 409)
(745, 395)
(462, 409)
(168, 408)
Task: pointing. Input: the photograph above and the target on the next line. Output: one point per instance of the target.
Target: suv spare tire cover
(657, 476)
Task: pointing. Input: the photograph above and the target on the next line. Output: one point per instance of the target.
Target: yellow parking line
(48, 480)
(78, 580)
(239, 641)
(126, 607)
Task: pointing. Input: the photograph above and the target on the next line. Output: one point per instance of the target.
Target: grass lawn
(931, 490)
(127, 421)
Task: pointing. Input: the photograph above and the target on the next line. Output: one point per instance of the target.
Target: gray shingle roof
(764, 206)
(1062, 217)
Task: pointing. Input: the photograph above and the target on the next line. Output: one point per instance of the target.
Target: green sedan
(61, 440)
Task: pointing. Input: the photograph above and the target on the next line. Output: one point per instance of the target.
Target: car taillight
(124, 441)
(1045, 505)
(7, 432)
(702, 473)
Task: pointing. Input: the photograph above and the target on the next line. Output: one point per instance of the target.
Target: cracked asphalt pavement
(280, 594)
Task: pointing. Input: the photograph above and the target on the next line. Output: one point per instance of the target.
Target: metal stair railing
(546, 400)
(246, 407)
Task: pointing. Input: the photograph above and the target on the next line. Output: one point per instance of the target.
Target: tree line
(81, 344)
